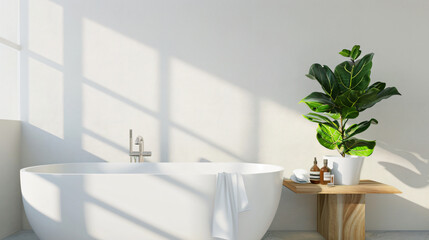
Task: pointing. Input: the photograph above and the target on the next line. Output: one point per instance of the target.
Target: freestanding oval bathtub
(142, 201)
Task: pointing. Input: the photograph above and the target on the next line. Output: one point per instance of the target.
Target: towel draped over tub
(230, 200)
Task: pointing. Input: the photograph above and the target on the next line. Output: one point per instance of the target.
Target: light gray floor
(289, 235)
(396, 235)
(23, 235)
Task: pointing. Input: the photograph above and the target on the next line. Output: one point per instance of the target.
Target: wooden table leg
(341, 216)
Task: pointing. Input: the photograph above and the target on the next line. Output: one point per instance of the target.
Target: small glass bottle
(315, 173)
(325, 173)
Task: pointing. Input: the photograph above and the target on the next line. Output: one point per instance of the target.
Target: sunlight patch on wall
(9, 20)
(9, 82)
(210, 108)
(185, 147)
(107, 121)
(285, 136)
(102, 149)
(46, 29)
(46, 102)
(120, 64)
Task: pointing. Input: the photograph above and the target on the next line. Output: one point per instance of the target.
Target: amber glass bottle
(315, 173)
(325, 173)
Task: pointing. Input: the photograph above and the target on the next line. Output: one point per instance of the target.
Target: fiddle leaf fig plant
(346, 93)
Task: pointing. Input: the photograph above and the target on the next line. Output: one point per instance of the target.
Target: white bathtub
(142, 201)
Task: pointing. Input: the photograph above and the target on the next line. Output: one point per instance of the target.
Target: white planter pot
(346, 170)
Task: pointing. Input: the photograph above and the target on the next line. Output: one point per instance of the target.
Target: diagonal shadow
(132, 219)
(158, 116)
(105, 140)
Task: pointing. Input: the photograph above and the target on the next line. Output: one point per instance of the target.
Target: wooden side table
(341, 209)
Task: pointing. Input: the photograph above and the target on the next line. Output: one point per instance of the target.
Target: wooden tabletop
(364, 187)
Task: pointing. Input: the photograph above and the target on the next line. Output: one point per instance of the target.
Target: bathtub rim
(27, 170)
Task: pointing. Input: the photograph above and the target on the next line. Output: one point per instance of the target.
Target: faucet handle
(138, 140)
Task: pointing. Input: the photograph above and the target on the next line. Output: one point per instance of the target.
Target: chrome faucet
(137, 156)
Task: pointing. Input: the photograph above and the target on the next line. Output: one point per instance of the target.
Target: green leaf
(359, 147)
(378, 85)
(348, 99)
(355, 52)
(355, 48)
(345, 53)
(359, 52)
(328, 137)
(326, 79)
(318, 102)
(371, 101)
(349, 112)
(335, 116)
(368, 97)
(358, 128)
(354, 76)
(310, 76)
(318, 118)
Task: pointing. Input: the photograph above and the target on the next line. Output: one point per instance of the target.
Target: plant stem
(342, 136)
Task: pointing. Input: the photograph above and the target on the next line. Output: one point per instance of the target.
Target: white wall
(10, 196)
(9, 61)
(221, 81)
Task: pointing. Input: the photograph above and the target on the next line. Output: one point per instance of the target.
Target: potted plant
(346, 93)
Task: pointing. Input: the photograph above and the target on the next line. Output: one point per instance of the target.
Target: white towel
(300, 176)
(230, 199)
